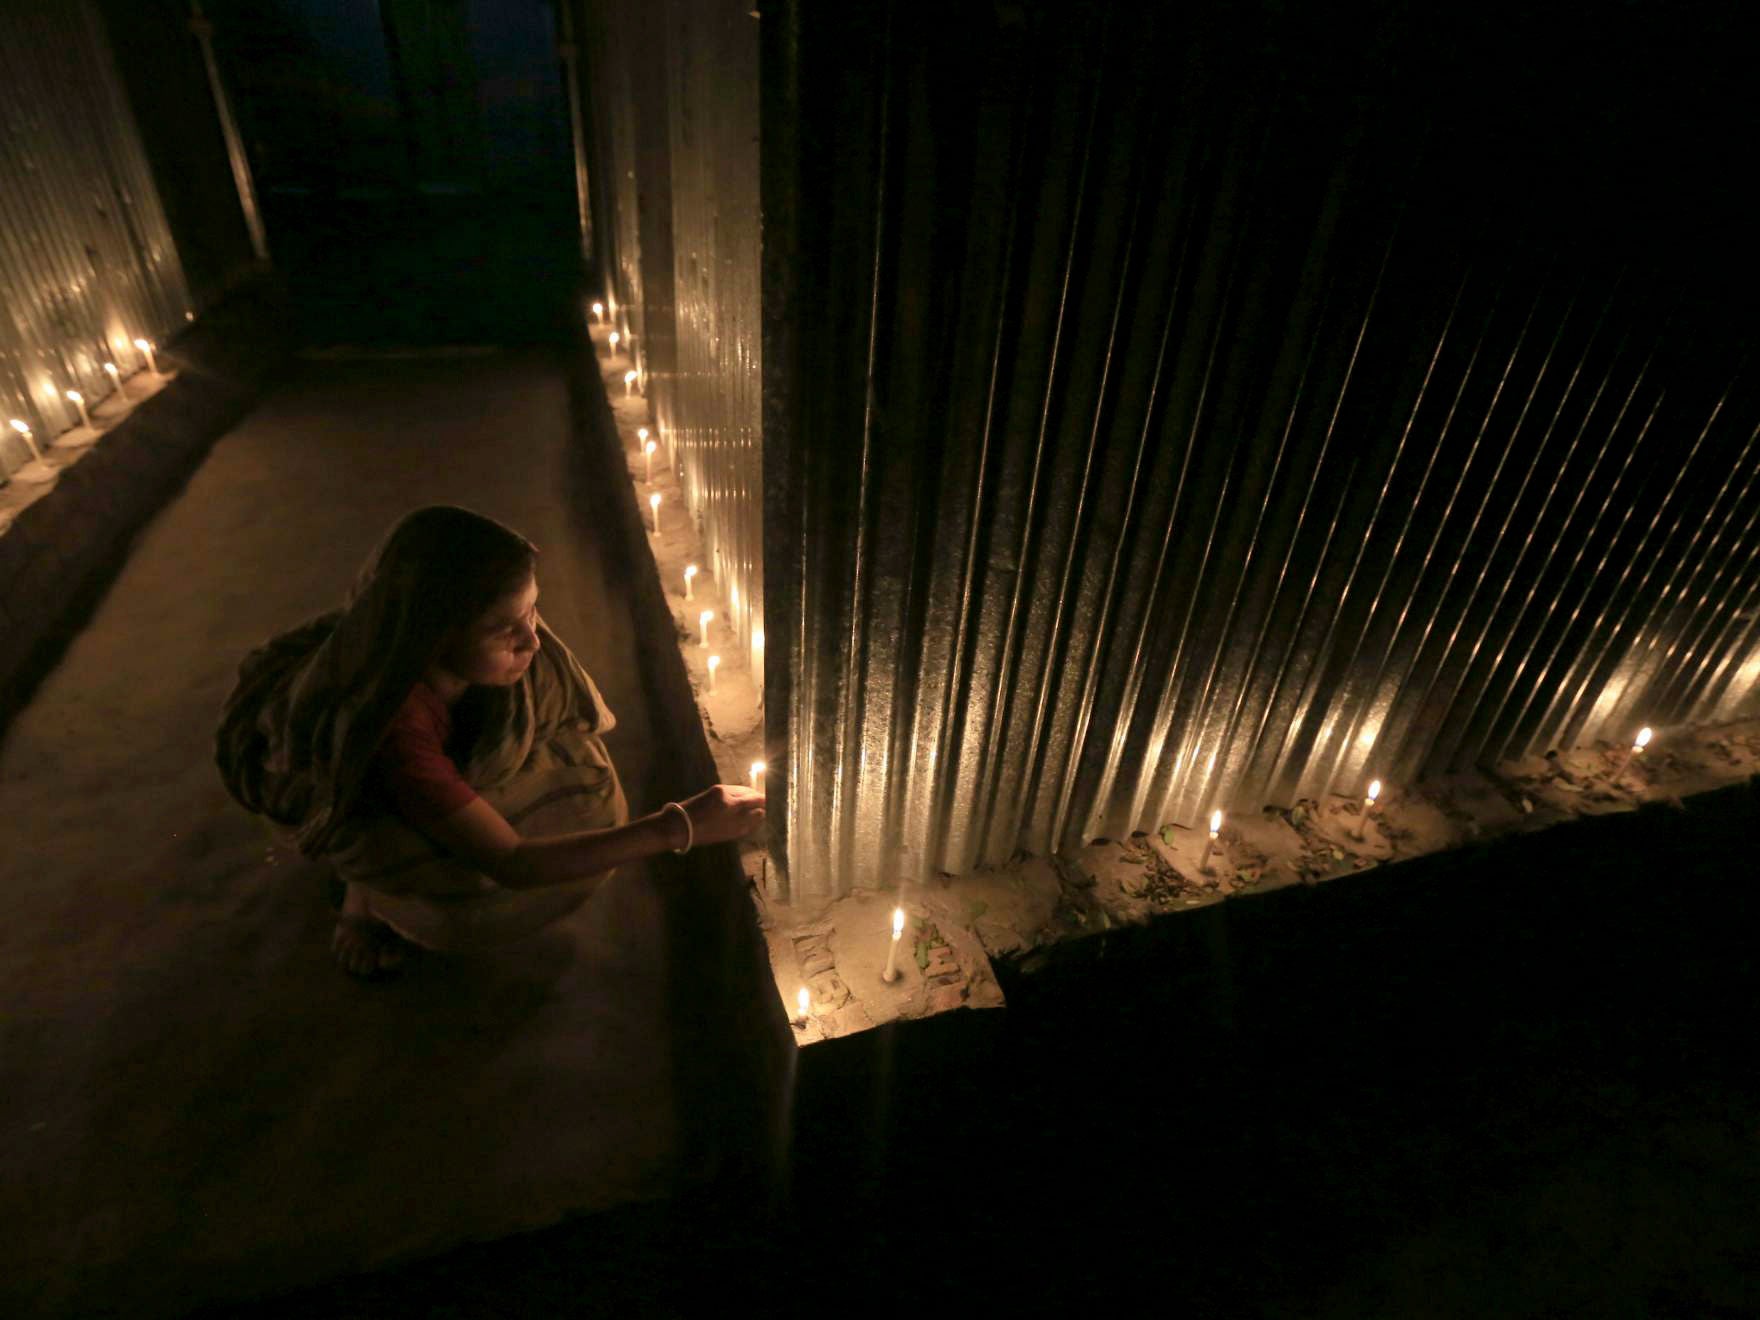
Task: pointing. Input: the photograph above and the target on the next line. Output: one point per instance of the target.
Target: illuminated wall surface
(87, 264)
(1171, 407)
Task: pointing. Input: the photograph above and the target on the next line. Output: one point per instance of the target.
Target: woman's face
(498, 649)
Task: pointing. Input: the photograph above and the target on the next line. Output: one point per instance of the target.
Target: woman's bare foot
(363, 944)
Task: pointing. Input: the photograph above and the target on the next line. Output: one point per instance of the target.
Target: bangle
(689, 834)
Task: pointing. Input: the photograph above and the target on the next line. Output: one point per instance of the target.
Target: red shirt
(412, 768)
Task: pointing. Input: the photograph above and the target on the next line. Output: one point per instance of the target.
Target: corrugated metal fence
(1169, 407)
(87, 263)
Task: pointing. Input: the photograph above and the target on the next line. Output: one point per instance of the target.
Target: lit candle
(690, 571)
(78, 400)
(1369, 804)
(115, 378)
(1215, 829)
(703, 626)
(654, 505)
(29, 439)
(629, 383)
(598, 313)
(758, 775)
(714, 663)
(648, 453)
(614, 338)
(1643, 741)
(803, 1003)
(891, 973)
(146, 346)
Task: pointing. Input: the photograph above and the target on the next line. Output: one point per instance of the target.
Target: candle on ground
(146, 346)
(757, 774)
(1642, 741)
(629, 383)
(78, 400)
(1369, 804)
(891, 973)
(654, 505)
(115, 378)
(1215, 829)
(29, 439)
(598, 313)
(690, 571)
(703, 627)
(648, 453)
(803, 1003)
(714, 664)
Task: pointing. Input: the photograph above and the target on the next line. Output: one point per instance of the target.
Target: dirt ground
(195, 1101)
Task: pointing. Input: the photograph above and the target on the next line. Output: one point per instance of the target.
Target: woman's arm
(481, 835)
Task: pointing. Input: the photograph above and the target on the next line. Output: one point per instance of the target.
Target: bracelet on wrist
(689, 833)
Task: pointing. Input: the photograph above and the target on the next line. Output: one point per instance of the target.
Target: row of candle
(78, 400)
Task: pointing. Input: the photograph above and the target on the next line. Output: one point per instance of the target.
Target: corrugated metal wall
(1190, 406)
(673, 91)
(87, 263)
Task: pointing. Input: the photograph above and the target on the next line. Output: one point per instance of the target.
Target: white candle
(614, 339)
(757, 774)
(654, 506)
(1369, 804)
(690, 571)
(78, 400)
(648, 453)
(29, 438)
(891, 973)
(598, 313)
(146, 346)
(1643, 741)
(714, 664)
(703, 626)
(804, 1003)
(115, 378)
(1215, 829)
(629, 383)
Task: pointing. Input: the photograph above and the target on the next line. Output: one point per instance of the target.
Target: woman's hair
(437, 571)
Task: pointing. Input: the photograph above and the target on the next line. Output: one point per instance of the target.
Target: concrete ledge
(62, 552)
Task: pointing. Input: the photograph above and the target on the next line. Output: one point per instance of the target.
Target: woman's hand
(723, 812)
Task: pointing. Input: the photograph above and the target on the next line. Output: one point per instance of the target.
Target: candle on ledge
(757, 774)
(1642, 741)
(146, 346)
(598, 313)
(115, 378)
(690, 571)
(891, 973)
(1369, 804)
(714, 663)
(78, 400)
(654, 505)
(803, 1003)
(648, 453)
(629, 383)
(703, 627)
(29, 439)
(1215, 829)
(614, 338)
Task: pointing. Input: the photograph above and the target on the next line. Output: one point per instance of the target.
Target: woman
(441, 748)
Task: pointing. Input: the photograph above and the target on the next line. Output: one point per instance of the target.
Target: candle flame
(142, 344)
(757, 769)
(897, 922)
(1643, 738)
(690, 570)
(111, 368)
(804, 1000)
(641, 433)
(74, 396)
(651, 447)
(629, 377)
(1215, 821)
(654, 500)
(598, 309)
(1374, 789)
(714, 660)
(758, 637)
(20, 427)
(705, 617)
